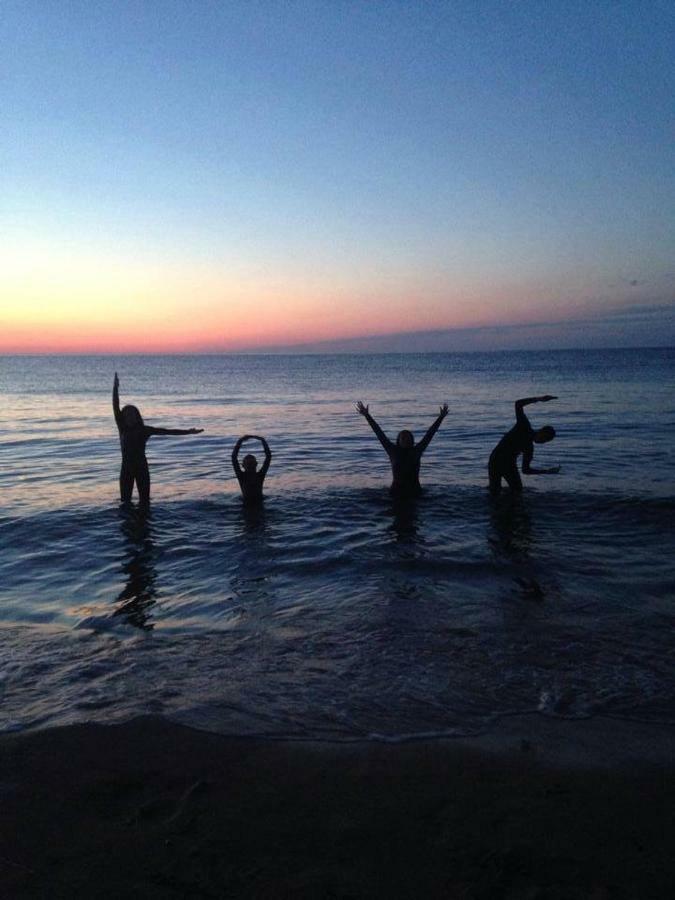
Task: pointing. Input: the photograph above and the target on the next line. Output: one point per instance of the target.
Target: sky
(207, 176)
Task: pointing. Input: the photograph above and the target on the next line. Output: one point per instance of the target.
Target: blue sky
(399, 166)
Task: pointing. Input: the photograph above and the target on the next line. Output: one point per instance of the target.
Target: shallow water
(334, 612)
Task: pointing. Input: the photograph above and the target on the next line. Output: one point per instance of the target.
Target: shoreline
(595, 742)
(539, 808)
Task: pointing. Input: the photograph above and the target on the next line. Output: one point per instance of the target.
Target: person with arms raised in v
(405, 456)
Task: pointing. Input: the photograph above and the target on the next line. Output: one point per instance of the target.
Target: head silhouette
(544, 435)
(131, 416)
(405, 439)
(250, 463)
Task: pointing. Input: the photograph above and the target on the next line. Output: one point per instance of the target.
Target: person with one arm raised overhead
(404, 455)
(134, 434)
(249, 477)
(520, 439)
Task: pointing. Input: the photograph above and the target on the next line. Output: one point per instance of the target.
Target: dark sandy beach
(150, 809)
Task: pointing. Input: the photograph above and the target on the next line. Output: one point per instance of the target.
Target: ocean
(334, 613)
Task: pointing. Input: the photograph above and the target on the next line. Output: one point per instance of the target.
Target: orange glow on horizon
(87, 302)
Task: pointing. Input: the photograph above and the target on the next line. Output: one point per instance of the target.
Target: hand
(360, 408)
(547, 397)
(195, 430)
(245, 437)
(116, 382)
(444, 410)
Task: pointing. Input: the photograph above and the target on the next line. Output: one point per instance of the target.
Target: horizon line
(289, 351)
(612, 330)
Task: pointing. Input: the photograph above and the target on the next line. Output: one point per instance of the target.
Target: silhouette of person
(134, 434)
(405, 456)
(520, 439)
(249, 478)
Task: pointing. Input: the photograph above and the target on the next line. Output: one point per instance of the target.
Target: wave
(335, 611)
(343, 508)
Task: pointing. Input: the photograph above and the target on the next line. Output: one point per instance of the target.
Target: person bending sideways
(405, 456)
(520, 439)
(249, 478)
(134, 434)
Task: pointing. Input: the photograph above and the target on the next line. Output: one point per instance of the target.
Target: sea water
(334, 612)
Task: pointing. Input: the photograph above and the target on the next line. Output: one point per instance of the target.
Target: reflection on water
(137, 598)
(510, 533)
(404, 512)
(511, 540)
(253, 519)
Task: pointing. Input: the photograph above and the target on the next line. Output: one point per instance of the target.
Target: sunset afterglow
(236, 177)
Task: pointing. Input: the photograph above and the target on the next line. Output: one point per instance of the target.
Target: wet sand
(544, 809)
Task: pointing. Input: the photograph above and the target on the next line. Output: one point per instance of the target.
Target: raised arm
(150, 429)
(520, 415)
(116, 398)
(235, 455)
(426, 440)
(268, 456)
(381, 436)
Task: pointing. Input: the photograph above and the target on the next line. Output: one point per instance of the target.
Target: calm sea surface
(334, 613)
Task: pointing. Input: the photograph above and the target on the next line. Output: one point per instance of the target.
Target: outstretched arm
(116, 398)
(381, 436)
(520, 415)
(235, 455)
(426, 440)
(150, 429)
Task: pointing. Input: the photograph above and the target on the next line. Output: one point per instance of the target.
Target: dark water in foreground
(335, 613)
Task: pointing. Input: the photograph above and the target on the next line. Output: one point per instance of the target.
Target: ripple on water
(334, 612)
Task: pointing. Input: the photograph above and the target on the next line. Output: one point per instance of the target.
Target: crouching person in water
(249, 478)
(520, 439)
(404, 455)
(134, 434)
